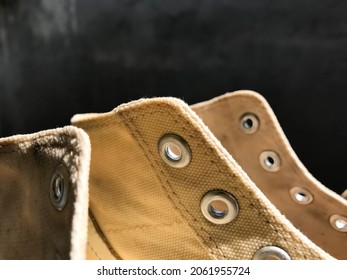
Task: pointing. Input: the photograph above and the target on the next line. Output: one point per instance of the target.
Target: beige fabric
(127, 201)
(146, 209)
(223, 114)
(344, 194)
(98, 248)
(31, 227)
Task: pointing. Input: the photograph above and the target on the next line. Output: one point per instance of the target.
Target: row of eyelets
(217, 206)
(249, 124)
(220, 207)
(270, 161)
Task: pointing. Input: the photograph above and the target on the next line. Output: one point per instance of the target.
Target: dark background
(58, 58)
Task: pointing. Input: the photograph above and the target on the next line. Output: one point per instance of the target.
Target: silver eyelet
(301, 195)
(249, 123)
(271, 253)
(59, 187)
(270, 161)
(339, 222)
(219, 207)
(174, 150)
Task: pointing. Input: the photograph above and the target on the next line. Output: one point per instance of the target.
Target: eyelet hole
(270, 161)
(271, 253)
(174, 150)
(219, 207)
(249, 123)
(339, 222)
(59, 187)
(301, 195)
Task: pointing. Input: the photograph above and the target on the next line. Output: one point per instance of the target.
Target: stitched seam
(280, 138)
(207, 152)
(250, 194)
(102, 124)
(131, 229)
(95, 253)
(166, 183)
(110, 122)
(102, 236)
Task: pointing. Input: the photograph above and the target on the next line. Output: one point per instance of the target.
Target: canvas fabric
(143, 208)
(30, 226)
(127, 202)
(312, 219)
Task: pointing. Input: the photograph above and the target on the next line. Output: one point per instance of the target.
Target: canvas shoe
(44, 195)
(217, 180)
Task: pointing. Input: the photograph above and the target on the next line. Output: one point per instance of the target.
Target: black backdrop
(58, 58)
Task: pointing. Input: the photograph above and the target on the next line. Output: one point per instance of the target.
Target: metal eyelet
(59, 187)
(219, 207)
(270, 161)
(339, 222)
(271, 253)
(174, 150)
(301, 195)
(249, 123)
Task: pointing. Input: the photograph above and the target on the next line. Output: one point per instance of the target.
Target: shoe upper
(158, 179)
(163, 185)
(253, 136)
(44, 194)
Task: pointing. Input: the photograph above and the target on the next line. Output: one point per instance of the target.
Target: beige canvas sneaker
(217, 180)
(44, 195)
(257, 142)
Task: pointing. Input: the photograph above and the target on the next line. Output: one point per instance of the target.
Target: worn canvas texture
(312, 218)
(126, 200)
(143, 208)
(31, 226)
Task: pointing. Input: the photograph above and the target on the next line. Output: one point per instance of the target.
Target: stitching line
(178, 122)
(145, 147)
(136, 228)
(283, 147)
(103, 237)
(242, 190)
(95, 253)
